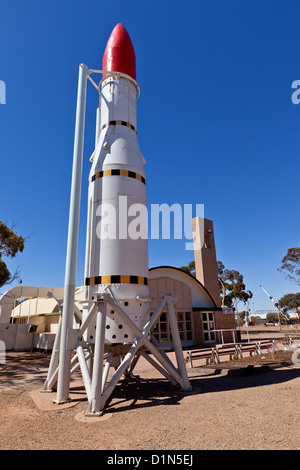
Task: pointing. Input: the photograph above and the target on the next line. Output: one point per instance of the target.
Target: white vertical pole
(97, 133)
(72, 245)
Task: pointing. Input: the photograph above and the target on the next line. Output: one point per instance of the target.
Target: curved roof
(191, 281)
(7, 300)
(36, 306)
(38, 302)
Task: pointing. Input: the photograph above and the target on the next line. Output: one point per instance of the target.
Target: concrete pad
(45, 400)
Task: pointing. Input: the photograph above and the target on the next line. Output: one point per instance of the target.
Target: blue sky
(216, 125)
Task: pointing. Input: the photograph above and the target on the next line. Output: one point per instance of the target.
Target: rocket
(116, 326)
(117, 182)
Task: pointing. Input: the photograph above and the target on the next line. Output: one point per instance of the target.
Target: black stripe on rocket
(116, 172)
(116, 279)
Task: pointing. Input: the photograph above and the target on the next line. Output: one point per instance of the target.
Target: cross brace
(90, 357)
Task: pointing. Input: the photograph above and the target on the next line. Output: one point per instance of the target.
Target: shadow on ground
(137, 392)
(20, 369)
(144, 390)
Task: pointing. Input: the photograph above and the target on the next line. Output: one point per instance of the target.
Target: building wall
(205, 257)
(191, 296)
(222, 321)
(198, 329)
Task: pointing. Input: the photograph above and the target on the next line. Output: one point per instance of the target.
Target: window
(162, 328)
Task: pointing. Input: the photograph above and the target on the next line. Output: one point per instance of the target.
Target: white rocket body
(115, 257)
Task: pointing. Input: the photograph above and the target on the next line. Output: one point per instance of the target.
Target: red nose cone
(119, 55)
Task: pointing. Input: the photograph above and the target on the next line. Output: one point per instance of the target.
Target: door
(208, 327)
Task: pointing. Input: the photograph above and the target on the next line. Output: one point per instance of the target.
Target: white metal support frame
(97, 389)
(90, 357)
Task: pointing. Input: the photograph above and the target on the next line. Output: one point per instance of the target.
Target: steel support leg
(49, 383)
(95, 402)
(120, 371)
(185, 384)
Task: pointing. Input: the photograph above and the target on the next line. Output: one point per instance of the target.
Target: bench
(233, 350)
(247, 347)
(267, 344)
(227, 350)
(197, 354)
(292, 335)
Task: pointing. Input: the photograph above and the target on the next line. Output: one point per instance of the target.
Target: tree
(290, 303)
(232, 283)
(290, 265)
(10, 245)
(273, 317)
(190, 269)
(241, 317)
(221, 268)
